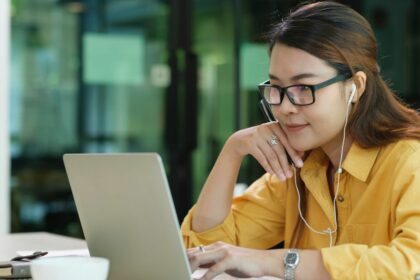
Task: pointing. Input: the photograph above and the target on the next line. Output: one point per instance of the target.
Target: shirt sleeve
(400, 259)
(256, 218)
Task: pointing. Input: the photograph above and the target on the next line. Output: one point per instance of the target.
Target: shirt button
(340, 198)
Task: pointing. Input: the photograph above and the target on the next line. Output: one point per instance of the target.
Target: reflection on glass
(80, 86)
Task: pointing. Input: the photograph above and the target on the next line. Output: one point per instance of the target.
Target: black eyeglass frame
(283, 90)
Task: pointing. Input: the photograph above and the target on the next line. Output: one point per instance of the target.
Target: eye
(300, 90)
(273, 95)
(303, 89)
(301, 94)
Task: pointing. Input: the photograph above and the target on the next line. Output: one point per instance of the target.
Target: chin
(301, 148)
(303, 142)
(303, 145)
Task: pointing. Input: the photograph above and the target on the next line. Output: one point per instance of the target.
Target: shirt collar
(358, 162)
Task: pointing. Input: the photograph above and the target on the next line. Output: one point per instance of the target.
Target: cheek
(329, 111)
(328, 123)
(325, 125)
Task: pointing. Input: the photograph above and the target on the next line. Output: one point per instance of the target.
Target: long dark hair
(344, 39)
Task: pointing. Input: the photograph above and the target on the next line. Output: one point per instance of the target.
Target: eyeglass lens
(299, 94)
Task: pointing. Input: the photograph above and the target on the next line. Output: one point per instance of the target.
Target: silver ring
(273, 140)
(201, 248)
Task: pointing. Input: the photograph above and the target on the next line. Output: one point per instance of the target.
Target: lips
(295, 127)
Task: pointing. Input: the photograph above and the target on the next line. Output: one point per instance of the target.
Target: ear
(359, 79)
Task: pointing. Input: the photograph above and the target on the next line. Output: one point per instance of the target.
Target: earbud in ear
(353, 88)
(353, 92)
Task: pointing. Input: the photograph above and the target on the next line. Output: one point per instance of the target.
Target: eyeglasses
(300, 95)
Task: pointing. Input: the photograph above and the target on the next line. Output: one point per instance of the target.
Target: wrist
(291, 261)
(234, 147)
(274, 263)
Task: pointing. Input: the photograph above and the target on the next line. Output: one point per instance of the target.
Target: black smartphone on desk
(265, 107)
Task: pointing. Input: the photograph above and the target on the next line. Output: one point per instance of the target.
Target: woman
(349, 210)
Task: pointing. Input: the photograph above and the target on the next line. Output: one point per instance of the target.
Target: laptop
(127, 214)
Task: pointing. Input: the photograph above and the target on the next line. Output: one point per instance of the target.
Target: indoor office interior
(174, 77)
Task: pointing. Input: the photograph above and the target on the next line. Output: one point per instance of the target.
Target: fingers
(216, 256)
(287, 148)
(221, 258)
(276, 152)
(282, 163)
(269, 145)
(271, 154)
(260, 156)
(219, 268)
(205, 248)
(205, 258)
(193, 250)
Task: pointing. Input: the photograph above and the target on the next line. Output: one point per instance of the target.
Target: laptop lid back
(127, 214)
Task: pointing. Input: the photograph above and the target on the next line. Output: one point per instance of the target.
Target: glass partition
(43, 115)
(90, 77)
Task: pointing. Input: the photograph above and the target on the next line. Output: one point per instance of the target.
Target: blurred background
(176, 77)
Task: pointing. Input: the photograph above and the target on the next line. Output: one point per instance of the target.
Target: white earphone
(330, 231)
(353, 92)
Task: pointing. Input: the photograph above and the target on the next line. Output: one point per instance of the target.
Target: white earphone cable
(339, 171)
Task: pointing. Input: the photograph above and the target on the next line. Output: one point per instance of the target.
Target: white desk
(40, 241)
(43, 241)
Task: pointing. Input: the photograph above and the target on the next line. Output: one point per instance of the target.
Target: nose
(284, 108)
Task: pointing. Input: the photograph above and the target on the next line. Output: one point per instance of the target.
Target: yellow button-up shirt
(378, 213)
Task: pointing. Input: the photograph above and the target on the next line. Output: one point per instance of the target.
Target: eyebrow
(296, 77)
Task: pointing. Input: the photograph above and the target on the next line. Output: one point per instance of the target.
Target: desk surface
(39, 241)
(43, 241)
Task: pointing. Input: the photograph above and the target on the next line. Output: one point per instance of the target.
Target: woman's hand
(215, 200)
(268, 144)
(235, 261)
